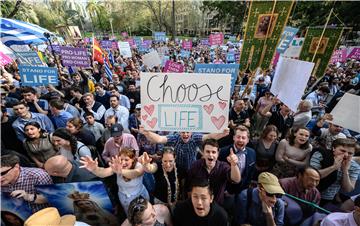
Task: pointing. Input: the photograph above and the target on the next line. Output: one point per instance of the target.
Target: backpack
(94, 154)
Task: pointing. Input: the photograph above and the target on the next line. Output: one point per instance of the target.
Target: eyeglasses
(138, 207)
(6, 171)
(272, 195)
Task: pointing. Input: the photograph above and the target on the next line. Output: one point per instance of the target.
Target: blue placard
(30, 58)
(232, 38)
(286, 38)
(230, 57)
(232, 69)
(38, 76)
(185, 53)
(137, 41)
(159, 36)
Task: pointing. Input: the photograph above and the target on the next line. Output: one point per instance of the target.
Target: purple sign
(171, 66)
(106, 44)
(74, 56)
(187, 44)
(147, 43)
(216, 39)
(55, 47)
(86, 40)
(354, 54)
(204, 42)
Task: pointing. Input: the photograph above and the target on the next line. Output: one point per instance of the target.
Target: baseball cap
(270, 183)
(116, 130)
(138, 106)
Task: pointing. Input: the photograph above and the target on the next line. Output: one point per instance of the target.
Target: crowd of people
(271, 166)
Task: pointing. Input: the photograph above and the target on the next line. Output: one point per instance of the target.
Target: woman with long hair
(75, 127)
(292, 153)
(129, 174)
(38, 144)
(68, 146)
(168, 179)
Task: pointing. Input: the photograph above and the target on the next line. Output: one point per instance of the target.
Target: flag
(111, 58)
(16, 32)
(97, 52)
(327, 45)
(108, 71)
(265, 24)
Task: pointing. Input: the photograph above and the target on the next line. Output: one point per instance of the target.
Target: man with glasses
(262, 206)
(20, 182)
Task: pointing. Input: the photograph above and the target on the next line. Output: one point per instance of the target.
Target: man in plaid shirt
(20, 182)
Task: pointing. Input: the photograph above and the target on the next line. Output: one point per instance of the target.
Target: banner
(159, 36)
(106, 44)
(184, 53)
(187, 44)
(265, 24)
(125, 49)
(171, 66)
(137, 41)
(327, 45)
(354, 54)
(290, 80)
(29, 58)
(71, 56)
(338, 55)
(38, 76)
(230, 58)
(152, 59)
(232, 69)
(216, 39)
(204, 42)
(286, 38)
(14, 211)
(88, 201)
(185, 102)
(294, 49)
(4, 59)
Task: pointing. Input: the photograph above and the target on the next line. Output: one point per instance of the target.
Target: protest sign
(14, 211)
(290, 80)
(230, 58)
(138, 41)
(38, 76)
(232, 38)
(216, 39)
(125, 49)
(232, 69)
(42, 47)
(338, 55)
(20, 48)
(81, 199)
(355, 54)
(106, 44)
(4, 59)
(29, 58)
(184, 53)
(286, 38)
(71, 56)
(187, 44)
(159, 36)
(185, 102)
(346, 112)
(294, 49)
(171, 66)
(204, 42)
(162, 51)
(152, 59)
(55, 47)
(147, 43)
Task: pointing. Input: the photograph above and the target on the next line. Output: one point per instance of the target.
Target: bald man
(64, 171)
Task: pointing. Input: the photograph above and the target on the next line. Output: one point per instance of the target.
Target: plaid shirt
(28, 178)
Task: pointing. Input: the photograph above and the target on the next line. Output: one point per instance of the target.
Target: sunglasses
(6, 171)
(272, 195)
(138, 207)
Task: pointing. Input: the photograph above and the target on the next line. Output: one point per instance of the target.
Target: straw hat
(50, 217)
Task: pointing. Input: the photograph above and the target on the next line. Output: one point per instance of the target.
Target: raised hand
(145, 159)
(88, 163)
(116, 165)
(345, 164)
(232, 158)
(338, 161)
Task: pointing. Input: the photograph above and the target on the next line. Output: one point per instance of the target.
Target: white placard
(185, 102)
(124, 48)
(152, 59)
(347, 112)
(20, 48)
(294, 48)
(290, 79)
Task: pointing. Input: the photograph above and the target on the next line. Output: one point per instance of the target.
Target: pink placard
(216, 39)
(173, 67)
(4, 59)
(338, 56)
(187, 44)
(354, 54)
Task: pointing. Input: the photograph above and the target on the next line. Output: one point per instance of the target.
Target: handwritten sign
(152, 59)
(290, 80)
(29, 58)
(4, 59)
(187, 44)
(286, 38)
(171, 66)
(38, 76)
(185, 102)
(339, 55)
(71, 56)
(216, 39)
(354, 54)
(125, 49)
(232, 69)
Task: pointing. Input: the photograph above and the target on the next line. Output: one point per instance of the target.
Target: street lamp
(112, 30)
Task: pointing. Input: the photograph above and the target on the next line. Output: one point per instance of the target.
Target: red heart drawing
(149, 109)
(208, 108)
(152, 122)
(218, 122)
(222, 105)
(144, 117)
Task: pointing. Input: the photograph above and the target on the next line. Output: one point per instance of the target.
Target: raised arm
(145, 160)
(152, 137)
(116, 167)
(92, 165)
(216, 136)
